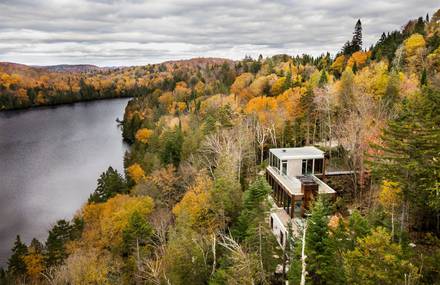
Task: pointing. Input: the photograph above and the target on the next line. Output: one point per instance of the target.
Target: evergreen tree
(288, 82)
(172, 147)
(356, 42)
(16, 264)
(226, 196)
(423, 78)
(137, 233)
(322, 267)
(255, 207)
(110, 183)
(62, 232)
(419, 27)
(409, 156)
(323, 79)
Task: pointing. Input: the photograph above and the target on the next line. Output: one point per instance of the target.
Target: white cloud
(134, 32)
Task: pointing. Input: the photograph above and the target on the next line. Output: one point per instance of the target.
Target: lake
(50, 159)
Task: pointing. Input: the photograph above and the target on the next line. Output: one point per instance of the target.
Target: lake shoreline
(63, 104)
(51, 159)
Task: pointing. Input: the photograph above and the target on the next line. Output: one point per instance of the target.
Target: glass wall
(274, 161)
(319, 166)
(312, 166)
(284, 167)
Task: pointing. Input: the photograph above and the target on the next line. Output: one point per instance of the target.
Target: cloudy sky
(134, 32)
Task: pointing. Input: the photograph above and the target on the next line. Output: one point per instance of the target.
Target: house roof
(306, 152)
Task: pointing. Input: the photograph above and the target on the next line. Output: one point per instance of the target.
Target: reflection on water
(50, 159)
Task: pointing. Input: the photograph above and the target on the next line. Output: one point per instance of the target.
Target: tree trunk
(303, 256)
(392, 221)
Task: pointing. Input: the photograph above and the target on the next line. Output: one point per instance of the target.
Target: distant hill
(199, 61)
(71, 68)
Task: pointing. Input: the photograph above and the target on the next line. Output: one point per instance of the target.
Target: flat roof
(305, 152)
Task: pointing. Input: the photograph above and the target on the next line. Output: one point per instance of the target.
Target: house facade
(295, 177)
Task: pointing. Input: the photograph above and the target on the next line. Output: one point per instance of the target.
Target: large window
(307, 166)
(274, 161)
(284, 167)
(319, 166)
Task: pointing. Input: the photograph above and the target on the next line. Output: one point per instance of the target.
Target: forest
(192, 205)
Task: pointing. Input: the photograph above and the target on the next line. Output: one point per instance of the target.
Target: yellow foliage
(242, 81)
(258, 86)
(89, 266)
(413, 43)
(136, 173)
(166, 99)
(193, 208)
(41, 99)
(216, 101)
(262, 107)
(245, 95)
(199, 89)
(390, 194)
(434, 60)
(289, 103)
(104, 222)
(34, 263)
(338, 64)
(182, 92)
(278, 85)
(373, 80)
(143, 135)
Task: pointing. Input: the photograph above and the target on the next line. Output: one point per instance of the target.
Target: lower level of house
(291, 198)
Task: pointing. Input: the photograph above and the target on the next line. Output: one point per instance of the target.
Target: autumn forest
(192, 204)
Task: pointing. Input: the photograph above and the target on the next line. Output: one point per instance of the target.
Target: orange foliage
(143, 135)
(359, 57)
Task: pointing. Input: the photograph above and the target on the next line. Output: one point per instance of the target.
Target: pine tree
(322, 267)
(409, 156)
(110, 183)
(419, 27)
(356, 42)
(423, 78)
(254, 207)
(16, 265)
(323, 79)
(59, 235)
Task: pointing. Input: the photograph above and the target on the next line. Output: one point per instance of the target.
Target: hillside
(25, 86)
(192, 206)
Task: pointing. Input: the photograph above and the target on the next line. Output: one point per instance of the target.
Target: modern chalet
(293, 174)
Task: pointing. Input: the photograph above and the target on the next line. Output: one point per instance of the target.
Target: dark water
(50, 159)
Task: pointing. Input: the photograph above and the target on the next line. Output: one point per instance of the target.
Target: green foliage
(137, 233)
(226, 194)
(356, 43)
(376, 260)
(62, 232)
(186, 259)
(387, 45)
(172, 147)
(16, 264)
(322, 267)
(322, 79)
(409, 156)
(110, 183)
(252, 227)
(255, 207)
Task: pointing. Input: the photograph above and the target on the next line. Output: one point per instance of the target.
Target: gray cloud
(134, 32)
